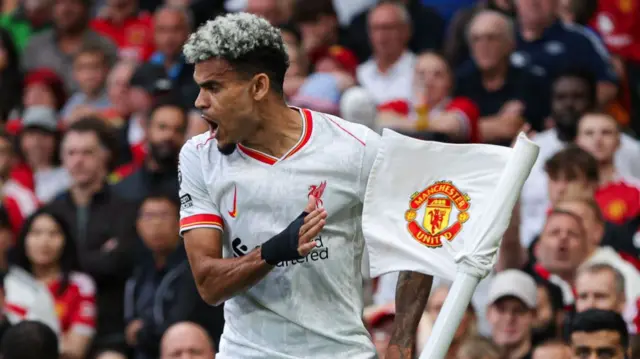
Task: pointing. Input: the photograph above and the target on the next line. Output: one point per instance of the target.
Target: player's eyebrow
(209, 84)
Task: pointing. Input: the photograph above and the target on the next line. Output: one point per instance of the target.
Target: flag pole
(453, 309)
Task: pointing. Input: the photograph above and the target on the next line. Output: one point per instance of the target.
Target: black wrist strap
(284, 245)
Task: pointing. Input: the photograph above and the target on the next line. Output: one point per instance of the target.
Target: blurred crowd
(97, 100)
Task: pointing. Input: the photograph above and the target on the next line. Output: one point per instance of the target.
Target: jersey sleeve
(373, 141)
(83, 318)
(468, 113)
(197, 210)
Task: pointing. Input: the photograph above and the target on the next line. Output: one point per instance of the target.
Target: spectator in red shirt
(18, 200)
(130, 30)
(45, 248)
(618, 196)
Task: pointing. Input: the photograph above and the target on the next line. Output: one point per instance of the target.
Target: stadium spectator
(507, 96)
(600, 286)
(435, 109)
(162, 291)
(11, 75)
(165, 136)
(44, 87)
(172, 26)
(130, 29)
(39, 147)
(28, 19)
(456, 47)
(511, 312)
(46, 249)
(426, 29)
(90, 69)
(24, 297)
(186, 339)
(479, 348)
(548, 46)
(555, 349)
(298, 69)
(54, 48)
(597, 332)
(272, 10)
(102, 224)
(617, 22)
(388, 75)
(467, 328)
(619, 197)
(5, 324)
(549, 312)
(29, 340)
(379, 321)
(18, 200)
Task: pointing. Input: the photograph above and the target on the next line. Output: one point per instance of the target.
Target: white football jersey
(307, 308)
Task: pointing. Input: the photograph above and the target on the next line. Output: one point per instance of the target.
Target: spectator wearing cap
(506, 96)
(512, 302)
(102, 224)
(55, 48)
(130, 29)
(44, 87)
(335, 73)
(547, 45)
(379, 320)
(172, 26)
(39, 142)
(165, 135)
(90, 69)
(598, 332)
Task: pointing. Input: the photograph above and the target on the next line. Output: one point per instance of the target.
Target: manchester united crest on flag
(437, 205)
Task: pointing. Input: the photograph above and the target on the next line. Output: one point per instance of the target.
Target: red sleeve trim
(471, 113)
(200, 220)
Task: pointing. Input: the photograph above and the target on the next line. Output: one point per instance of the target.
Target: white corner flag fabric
(439, 208)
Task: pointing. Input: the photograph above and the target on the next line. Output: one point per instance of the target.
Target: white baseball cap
(513, 283)
(42, 117)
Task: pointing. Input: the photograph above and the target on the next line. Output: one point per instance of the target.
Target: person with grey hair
(271, 207)
(506, 96)
(600, 286)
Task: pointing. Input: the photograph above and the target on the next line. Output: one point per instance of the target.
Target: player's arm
(219, 279)
(412, 292)
(413, 288)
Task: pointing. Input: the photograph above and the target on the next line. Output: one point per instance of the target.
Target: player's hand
(313, 224)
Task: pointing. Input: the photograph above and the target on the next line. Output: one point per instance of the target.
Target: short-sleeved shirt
(76, 305)
(520, 84)
(563, 47)
(310, 307)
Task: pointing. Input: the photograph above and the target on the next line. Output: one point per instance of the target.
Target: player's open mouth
(213, 126)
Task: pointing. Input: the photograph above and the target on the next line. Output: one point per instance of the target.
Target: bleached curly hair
(248, 42)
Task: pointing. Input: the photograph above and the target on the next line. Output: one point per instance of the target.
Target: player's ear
(260, 87)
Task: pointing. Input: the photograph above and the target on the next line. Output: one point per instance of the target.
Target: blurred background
(96, 101)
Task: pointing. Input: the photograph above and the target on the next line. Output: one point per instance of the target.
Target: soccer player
(271, 211)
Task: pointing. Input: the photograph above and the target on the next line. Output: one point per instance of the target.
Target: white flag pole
(450, 316)
(481, 251)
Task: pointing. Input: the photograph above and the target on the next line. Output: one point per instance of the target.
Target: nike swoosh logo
(234, 212)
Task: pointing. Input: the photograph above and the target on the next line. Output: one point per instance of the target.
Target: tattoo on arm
(412, 293)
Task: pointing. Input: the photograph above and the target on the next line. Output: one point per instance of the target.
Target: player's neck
(280, 130)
